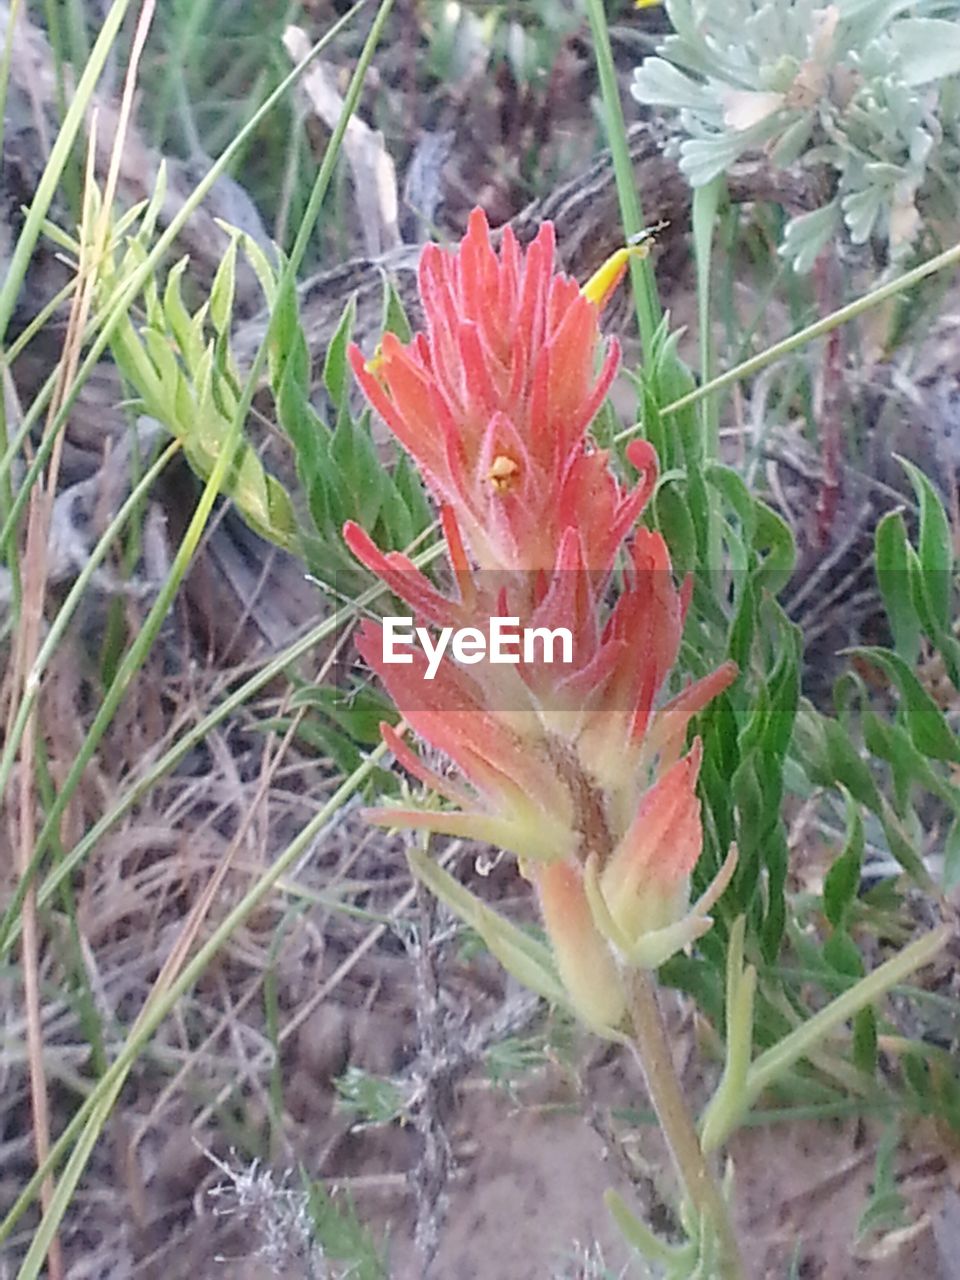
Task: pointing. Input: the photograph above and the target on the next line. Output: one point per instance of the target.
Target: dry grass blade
(94, 238)
(374, 175)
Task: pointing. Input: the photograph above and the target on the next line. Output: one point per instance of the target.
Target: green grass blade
(59, 155)
(641, 271)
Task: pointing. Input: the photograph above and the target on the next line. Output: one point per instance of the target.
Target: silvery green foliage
(868, 89)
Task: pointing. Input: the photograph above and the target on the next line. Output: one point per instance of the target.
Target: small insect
(648, 235)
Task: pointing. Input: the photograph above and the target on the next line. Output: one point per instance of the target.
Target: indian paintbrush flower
(494, 400)
(572, 766)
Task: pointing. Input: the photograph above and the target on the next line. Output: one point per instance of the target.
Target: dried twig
(434, 1100)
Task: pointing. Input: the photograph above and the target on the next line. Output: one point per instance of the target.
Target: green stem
(798, 1043)
(641, 271)
(949, 258)
(652, 1050)
(746, 369)
(59, 155)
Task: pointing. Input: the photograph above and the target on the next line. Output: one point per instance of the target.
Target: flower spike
(571, 764)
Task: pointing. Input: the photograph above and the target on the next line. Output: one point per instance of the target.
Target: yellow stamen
(599, 288)
(502, 472)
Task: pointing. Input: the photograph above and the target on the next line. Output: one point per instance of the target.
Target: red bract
(495, 399)
(556, 754)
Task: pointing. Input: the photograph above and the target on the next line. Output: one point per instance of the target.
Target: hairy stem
(652, 1050)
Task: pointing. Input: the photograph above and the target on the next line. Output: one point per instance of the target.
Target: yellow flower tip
(374, 364)
(502, 475)
(602, 284)
(646, 4)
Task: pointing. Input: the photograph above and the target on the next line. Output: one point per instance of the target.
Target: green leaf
(865, 1041)
(788, 149)
(934, 549)
(775, 536)
(902, 849)
(893, 578)
(375, 1100)
(731, 486)
(674, 522)
(183, 327)
(410, 488)
(929, 48)
(885, 1210)
(394, 315)
(262, 266)
(222, 290)
(359, 711)
(359, 471)
(744, 626)
(341, 1235)
(261, 499)
(168, 375)
(917, 1075)
(925, 721)
(644, 1241)
(395, 522)
(845, 765)
(285, 333)
(892, 743)
(806, 235)
(335, 368)
(528, 960)
(153, 210)
(843, 879)
(842, 954)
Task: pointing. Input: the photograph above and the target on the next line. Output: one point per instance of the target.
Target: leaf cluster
(865, 90)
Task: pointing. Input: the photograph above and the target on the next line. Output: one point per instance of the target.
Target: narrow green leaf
(846, 766)
(843, 879)
(335, 368)
(178, 319)
(676, 525)
(730, 485)
(265, 271)
(893, 578)
(865, 1041)
(410, 487)
(892, 743)
(361, 472)
(394, 315)
(902, 849)
(925, 721)
(223, 288)
(528, 960)
(935, 548)
(842, 954)
(775, 536)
